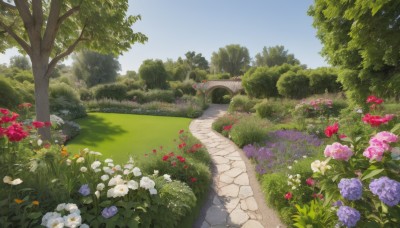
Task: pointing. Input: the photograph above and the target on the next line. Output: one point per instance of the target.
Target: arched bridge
(232, 86)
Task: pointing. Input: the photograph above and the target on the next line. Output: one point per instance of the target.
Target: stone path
(236, 199)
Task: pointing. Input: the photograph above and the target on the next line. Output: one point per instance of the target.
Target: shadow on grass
(95, 129)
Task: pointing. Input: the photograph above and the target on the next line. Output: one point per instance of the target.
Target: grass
(118, 136)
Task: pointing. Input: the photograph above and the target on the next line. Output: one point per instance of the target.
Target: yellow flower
(18, 201)
(35, 202)
(64, 152)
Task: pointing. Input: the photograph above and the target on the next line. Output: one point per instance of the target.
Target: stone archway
(207, 87)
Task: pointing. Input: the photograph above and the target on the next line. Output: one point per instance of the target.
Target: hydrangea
(350, 189)
(338, 151)
(84, 190)
(387, 190)
(374, 153)
(348, 216)
(109, 212)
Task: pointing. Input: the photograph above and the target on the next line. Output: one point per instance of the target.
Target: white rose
(167, 177)
(100, 186)
(60, 207)
(132, 185)
(136, 172)
(72, 220)
(83, 169)
(80, 160)
(55, 222)
(120, 190)
(7, 179)
(71, 207)
(95, 164)
(105, 177)
(48, 216)
(147, 183)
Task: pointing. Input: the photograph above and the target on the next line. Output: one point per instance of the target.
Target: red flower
(173, 164)
(373, 99)
(15, 132)
(310, 181)
(154, 151)
(14, 116)
(195, 147)
(38, 124)
(24, 105)
(47, 124)
(227, 128)
(171, 154)
(181, 159)
(182, 145)
(331, 130)
(4, 111)
(193, 179)
(320, 196)
(288, 196)
(376, 121)
(342, 136)
(165, 158)
(47, 145)
(181, 131)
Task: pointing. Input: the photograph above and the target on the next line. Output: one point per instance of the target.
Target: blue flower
(348, 216)
(350, 189)
(109, 212)
(84, 190)
(387, 190)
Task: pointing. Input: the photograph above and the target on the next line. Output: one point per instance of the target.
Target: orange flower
(35, 202)
(18, 201)
(64, 152)
(76, 156)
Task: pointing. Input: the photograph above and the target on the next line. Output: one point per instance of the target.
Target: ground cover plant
(119, 135)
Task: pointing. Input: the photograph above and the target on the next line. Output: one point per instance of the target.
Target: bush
(226, 121)
(242, 103)
(65, 102)
(249, 130)
(160, 95)
(153, 73)
(138, 96)
(261, 82)
(114, 91)
(183, 88)
(274, 110)
(85, 94)
(70, 129)
(293, 85)
(275, 186)
(10, 98)
(323, 80)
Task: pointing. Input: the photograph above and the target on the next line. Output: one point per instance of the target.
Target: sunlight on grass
(119, 135)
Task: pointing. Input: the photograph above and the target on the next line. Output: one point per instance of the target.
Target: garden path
(236, 199)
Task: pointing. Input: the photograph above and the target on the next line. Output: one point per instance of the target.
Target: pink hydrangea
(374, 153)
(375, 142)
(386, 137)
(338, 151)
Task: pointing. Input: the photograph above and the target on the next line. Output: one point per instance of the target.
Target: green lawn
(117, 136)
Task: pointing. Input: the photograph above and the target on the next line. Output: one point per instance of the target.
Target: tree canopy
(48, 31)
(362, 38)
(153, 73)
(233, 59)
(21, 62)
(275, 56)
(95, 68)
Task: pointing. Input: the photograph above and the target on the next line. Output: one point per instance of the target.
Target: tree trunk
(39, 69)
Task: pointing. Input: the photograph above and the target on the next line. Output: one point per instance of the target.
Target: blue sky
(177, 26)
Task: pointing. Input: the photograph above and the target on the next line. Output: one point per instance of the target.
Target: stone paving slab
(233, 204)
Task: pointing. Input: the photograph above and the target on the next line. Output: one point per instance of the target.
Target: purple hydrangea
(350, 189)
(109, 212)
(387, 190)
(348, 216)
(84, 190)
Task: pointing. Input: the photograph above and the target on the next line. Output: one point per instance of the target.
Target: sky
(175, 27)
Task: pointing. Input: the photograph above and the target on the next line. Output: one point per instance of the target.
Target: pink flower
(375, 142)
(38, 124)
(338, 151)
(374, 153)
(227, 128)
(386, 137)
(331, 130)
(310, 181)
(288, 196)
(376, 121)
(371, 99)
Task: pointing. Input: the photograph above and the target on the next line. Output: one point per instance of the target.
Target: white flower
(320, 167)
(295, 161)
(115, 181)
(147, 183)
(110, 193)
(84, 225)
(304, 156)
(7, 179)
(155, 172)
(54, 180)
(289, 167)
(16, 181)
(95, 165)
(153, 191)
(294, 188)
(71, 207)
(56, 141)
(68, 161)
(97, 193)
(97, 170)
(108, 170)
(108, 160)
(72, 220)
(105, 177)
(167, 178)
(86, 150)
(120, 190)
(48, 216)
(95, 153)
(111, 164)
(39, 142)
(315, 166)
(33, 164)
(80, 160)
(83, 169)
(359, 111)
(117, 167)
(126, 171)
(100, 186)
(132, 185)
(128, 166)
(136, 171)
(55, 223)
(130, 160)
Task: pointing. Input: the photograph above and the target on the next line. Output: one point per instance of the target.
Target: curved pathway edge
(235, 199)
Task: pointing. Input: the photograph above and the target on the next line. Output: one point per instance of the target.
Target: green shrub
(136, 96)
(293, 85)
(275, 187)
(183, 88)
(24, 75)
(242, 103)
(132, 84)
(225, 120)
(65, 102)
(85, 94)
(274, 110)
(114, 91)
(323, 80)
(153, 73)
(160, 95)
(10, 98)
(248, 130)
(261, 82)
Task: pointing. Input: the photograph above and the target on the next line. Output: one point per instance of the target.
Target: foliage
(360, 38)
(167, 96)
(184, 87)
(275, 56)
(219, 76)
(20, 62)
(114, 91)
(95, 68)
(315, 215)
(224, 123)
(220, 96)
(233, 59)
(85, 94)
(194, 60)
(319, 107)
(24, 75)
(242, 103)
(70, 129)
(293, 85)
(274, 110)
(153, 73)
(65, 102)
(323, 80)
(250, 129)
(10, 98)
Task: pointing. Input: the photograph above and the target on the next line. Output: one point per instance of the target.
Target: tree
(48, 31)
(194, 61)
(294, 85)
(275, 56)
(95, 68)
(153, 73)
(233, 59)
(21, 62)
(362, 38)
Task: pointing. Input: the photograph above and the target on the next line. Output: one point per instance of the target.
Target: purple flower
(350, 189)
(84, 190)
(387, 190)
(348, 216)
(337, 203)
(109, 212)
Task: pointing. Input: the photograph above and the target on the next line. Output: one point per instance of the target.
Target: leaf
(34, 215)
(395, 128)
(87, 200)
(372, 174)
